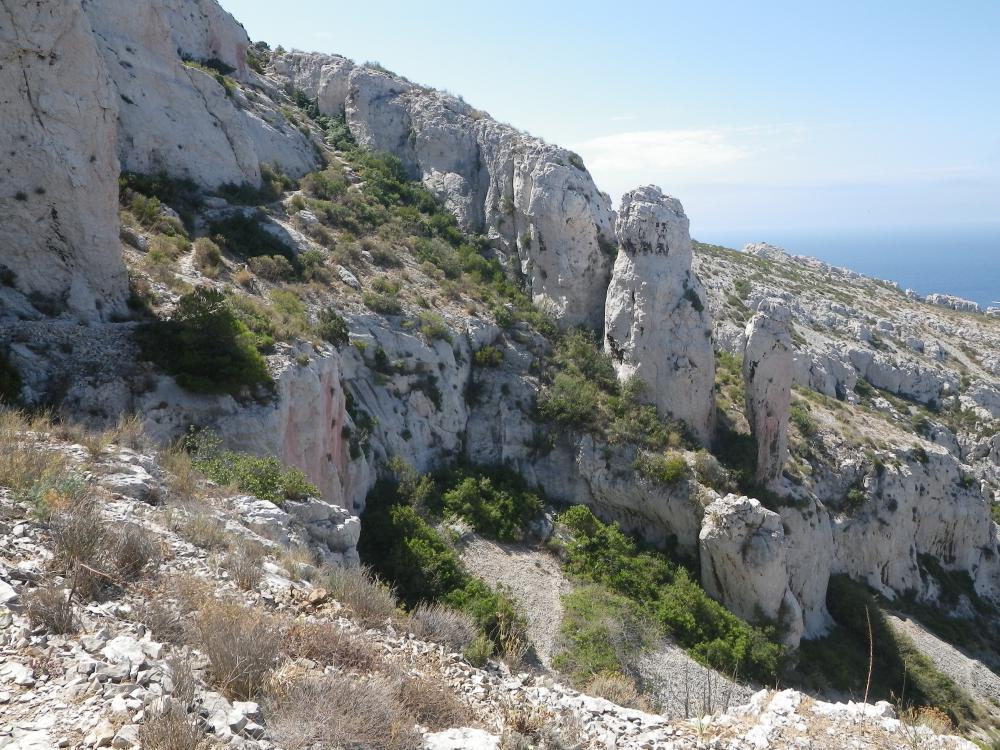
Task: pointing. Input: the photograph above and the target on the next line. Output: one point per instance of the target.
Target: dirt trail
(968, 673)
(535, 580)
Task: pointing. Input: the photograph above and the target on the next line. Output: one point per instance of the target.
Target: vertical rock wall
(58, 170)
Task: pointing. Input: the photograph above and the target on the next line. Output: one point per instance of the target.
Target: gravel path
(535, 580)
(684, 689)
(967, 672)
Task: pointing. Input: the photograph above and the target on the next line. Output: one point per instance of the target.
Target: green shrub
(245, 237)
(601, 632)
(205, 346)
(272, 267)
(433, 327)
(582, 392)
(669, 596)
(497, 503)
(488, 356)
(182, 195)
(668, 468)
(406, 551)
(332, 327)
(326, 185)
(263, 477)
(207, 257)
(742, 287)
(799, 416)
(381, 303)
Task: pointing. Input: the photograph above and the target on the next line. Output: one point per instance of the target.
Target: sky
(801, 115)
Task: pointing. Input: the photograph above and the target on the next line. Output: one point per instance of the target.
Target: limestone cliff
(59, 173)
(656, 324)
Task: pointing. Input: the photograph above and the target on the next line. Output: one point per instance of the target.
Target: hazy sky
(802, 115)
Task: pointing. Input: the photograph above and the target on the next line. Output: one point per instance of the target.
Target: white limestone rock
(767, 374)
(536, 202)
(657, 327)
(744, 564)
(180, 119)
(952, 302)
(59, 182)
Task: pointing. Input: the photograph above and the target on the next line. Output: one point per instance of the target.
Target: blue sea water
(964, 262)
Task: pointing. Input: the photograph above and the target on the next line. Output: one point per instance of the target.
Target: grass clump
(669, 597)
(242, 645)
(205, 346)
(263, 477)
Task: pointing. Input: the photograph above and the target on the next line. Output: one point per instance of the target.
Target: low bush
(440, 624)
(332, 327)
(340, 711)
(273, 268)
(799, 416)
(369, 599)
(601, 633)
(242, 646)
(381, 303)
(667, 469)
(488, 356)
(498, 504)
(668, 596)
(51, 607)
(329, 645)
(205, 346)
(173, 730)
(132, 551)
(404, 549)
(431, 702)
(263, 477)
(244, 563)
(182, 195)
(433, 327)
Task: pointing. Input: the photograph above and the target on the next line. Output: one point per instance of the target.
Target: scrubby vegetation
(899, 672)
(666, 594)
(262, 476)
(583, 393)
(205, 346)
(402, 545)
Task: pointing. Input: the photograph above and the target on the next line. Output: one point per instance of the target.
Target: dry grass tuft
(616, 688)
(533, 728)
(51, 607)
(241, 644)
(174, 730)
(132, 550)
(339, 711)
(371, 600)
(200, 529)
(439, 624)
(183, 479)
(431, 702)
(244, 563)
(330, 645)
(129, 432)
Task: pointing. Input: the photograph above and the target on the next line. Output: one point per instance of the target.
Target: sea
(964, 262)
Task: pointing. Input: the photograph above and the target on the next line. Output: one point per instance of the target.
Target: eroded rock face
(744, 564)
(656, 324)
(59, 173)
(535, 202)
(767, 374)
(919, 507)
(179, 119)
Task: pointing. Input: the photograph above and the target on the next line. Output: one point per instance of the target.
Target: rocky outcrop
(535, 202)
(744, 564)
(657, 327)
(952, 302)
(767, 375)
(919, 505)
(59, 175)
(181, 119)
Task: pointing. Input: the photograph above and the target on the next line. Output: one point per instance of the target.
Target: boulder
(657, 326)
(767, 374)
(59, 182)
(744, 564)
